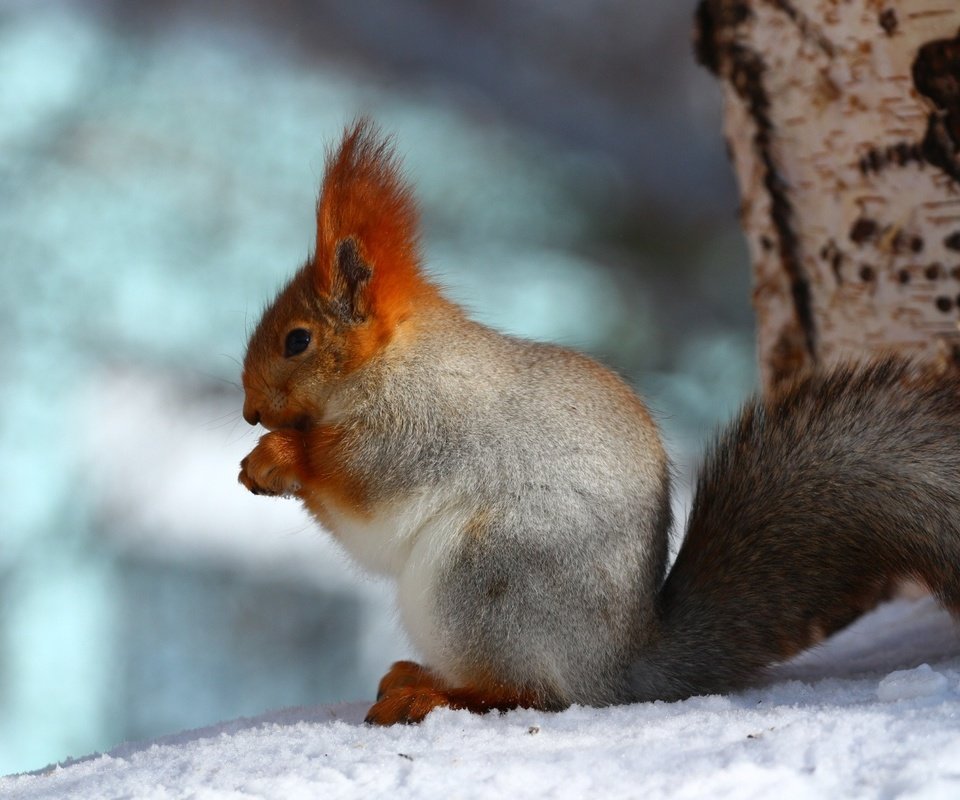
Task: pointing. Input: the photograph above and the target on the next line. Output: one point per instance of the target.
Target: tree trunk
(843, 123)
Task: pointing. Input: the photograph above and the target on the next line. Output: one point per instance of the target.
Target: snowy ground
(877, 732)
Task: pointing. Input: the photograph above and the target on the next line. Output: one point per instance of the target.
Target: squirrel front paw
(276, 466)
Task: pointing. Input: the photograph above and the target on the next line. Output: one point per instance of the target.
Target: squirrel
(519, 493)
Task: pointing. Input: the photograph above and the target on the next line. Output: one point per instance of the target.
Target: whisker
(232, 419)
(234, 359)
(246, 431)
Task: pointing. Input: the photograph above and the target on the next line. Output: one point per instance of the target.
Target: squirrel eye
(297, 341)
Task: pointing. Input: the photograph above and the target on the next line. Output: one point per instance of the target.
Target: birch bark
(843, 124)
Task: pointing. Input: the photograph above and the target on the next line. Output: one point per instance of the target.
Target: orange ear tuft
(367, 255)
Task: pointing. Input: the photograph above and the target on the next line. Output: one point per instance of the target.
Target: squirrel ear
(366, 258)
(350, 277)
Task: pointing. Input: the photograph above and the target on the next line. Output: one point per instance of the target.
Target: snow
(838, 722)
(908, 684)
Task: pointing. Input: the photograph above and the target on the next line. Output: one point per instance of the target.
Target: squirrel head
(347, 303)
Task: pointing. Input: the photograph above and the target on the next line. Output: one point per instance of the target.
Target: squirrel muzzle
(250, 414)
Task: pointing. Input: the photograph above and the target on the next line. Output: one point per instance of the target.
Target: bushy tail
(807, 510)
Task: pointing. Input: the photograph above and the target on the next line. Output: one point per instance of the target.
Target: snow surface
(869, 731)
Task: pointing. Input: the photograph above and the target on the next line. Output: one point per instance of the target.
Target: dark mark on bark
(808, 29)
(903, 242)
(746, 71)
(885, 237)
(895, 155)
(952, 242)
(832, 254)
(936, 74)
(719, 51)
(888, 21)
(864, 230)
(900, 242)
(713, 18)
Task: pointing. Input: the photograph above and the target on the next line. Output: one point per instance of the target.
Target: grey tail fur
(807, 511)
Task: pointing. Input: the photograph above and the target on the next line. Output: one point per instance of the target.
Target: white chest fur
(408, 540)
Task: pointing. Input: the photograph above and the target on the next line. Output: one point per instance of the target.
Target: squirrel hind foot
(406, 705)
(407, 674)
(408, 692)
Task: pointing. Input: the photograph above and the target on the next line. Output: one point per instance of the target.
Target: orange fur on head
(366, 206)
(354, 294)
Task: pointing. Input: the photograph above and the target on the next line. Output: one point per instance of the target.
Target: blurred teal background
(158, 169)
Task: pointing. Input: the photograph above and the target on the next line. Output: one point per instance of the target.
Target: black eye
(296, 343)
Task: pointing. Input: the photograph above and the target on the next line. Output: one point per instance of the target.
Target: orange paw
(275, 465)
(408, 692)
(406, 705)
(406, 674)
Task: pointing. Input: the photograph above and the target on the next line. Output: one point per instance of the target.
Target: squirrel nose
(251, 415)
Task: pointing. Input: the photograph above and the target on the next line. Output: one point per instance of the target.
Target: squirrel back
(518, 493)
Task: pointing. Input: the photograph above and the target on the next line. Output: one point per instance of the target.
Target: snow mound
(838, 736)
(909, 684)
